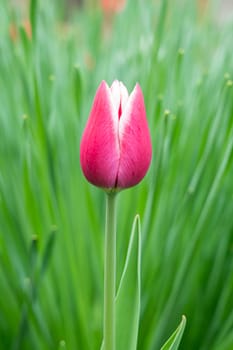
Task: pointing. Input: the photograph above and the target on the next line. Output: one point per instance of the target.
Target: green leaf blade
(174, 341)
(128, 295)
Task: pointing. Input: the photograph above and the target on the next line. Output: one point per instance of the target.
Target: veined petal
(135, 141)
(99, 150)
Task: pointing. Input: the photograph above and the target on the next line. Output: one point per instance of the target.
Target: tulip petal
(119, 96)
(99, 150)
(135, 141)
(124, 95)
(116, 95)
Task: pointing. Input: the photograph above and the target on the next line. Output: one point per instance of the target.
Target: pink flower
(116, 149)
(112, 6)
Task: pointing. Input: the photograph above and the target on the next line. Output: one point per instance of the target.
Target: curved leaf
(128, 295)
(174, 341)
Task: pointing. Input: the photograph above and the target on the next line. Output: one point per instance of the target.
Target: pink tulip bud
(116, 149)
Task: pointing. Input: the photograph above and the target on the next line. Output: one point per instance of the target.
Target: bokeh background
(53, 55)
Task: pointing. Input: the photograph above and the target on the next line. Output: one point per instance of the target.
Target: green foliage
(174, 341)
(52, 220)
(129, 293)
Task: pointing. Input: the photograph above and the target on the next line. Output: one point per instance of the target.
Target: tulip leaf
(78, 88)
(33, 15)
(48, 250)
(174, 341)
(128, 295)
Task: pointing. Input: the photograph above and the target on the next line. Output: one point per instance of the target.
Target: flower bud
(115, 151)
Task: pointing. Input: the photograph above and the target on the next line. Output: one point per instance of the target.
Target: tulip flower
(112, 6)
(110, 9)
(116, 150)
(14, 32)
(115, 153)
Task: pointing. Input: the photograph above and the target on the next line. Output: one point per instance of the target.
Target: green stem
(110, 273)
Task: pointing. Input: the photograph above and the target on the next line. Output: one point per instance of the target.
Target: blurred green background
(52, 58)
